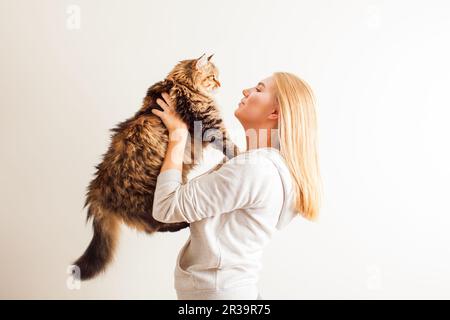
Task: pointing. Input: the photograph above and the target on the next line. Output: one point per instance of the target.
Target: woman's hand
(169, 116)
(178, 133)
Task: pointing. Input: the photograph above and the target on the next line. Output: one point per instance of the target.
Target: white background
(380, 71)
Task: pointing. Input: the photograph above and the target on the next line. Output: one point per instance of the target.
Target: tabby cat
(124, 183)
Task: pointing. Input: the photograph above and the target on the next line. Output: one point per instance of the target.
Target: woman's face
(258, 108)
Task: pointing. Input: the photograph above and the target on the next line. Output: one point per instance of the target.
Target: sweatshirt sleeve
(236, 184)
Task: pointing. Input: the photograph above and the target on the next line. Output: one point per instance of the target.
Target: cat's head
(199, 74)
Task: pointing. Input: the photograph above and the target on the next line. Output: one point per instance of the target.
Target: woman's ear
(275, 112)
(274, 115)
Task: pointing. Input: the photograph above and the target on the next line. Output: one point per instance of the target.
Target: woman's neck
(262, 138)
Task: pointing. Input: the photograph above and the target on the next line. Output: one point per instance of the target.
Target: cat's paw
(173, 227)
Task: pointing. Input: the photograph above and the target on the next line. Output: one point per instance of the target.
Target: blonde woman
(233, 211)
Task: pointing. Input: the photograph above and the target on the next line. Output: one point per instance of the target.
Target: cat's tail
(101, 249)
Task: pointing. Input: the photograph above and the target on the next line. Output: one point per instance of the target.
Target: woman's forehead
(267, 82)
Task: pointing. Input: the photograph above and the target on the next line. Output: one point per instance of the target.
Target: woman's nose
(245, 92)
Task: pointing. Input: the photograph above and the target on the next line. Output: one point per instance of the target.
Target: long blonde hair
(297, 130)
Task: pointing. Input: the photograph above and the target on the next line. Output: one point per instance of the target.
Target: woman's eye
(257, 90)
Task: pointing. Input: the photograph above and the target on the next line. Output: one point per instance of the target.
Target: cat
(124, 183)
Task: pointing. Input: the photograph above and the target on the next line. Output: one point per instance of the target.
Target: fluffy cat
(124, 183)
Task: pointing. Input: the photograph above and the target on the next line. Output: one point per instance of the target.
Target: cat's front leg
(173, 227)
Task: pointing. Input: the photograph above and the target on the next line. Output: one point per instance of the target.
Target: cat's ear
(201, 62)
(201, 56)
(209, 58)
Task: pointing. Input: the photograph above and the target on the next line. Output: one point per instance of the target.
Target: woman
(233, 211)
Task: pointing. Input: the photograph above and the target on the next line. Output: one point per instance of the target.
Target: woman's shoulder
(260, 154)
(261, 159)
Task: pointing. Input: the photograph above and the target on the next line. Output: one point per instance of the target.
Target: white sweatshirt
(233, 212)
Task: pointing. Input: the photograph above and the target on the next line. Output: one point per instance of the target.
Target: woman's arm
(239, 183)
(175, 151)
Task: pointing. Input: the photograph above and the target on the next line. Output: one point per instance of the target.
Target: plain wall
(379, 69)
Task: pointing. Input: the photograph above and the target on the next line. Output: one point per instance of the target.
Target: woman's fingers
(162, 104)
(168, 115)
(159, 113)
(168, 100)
